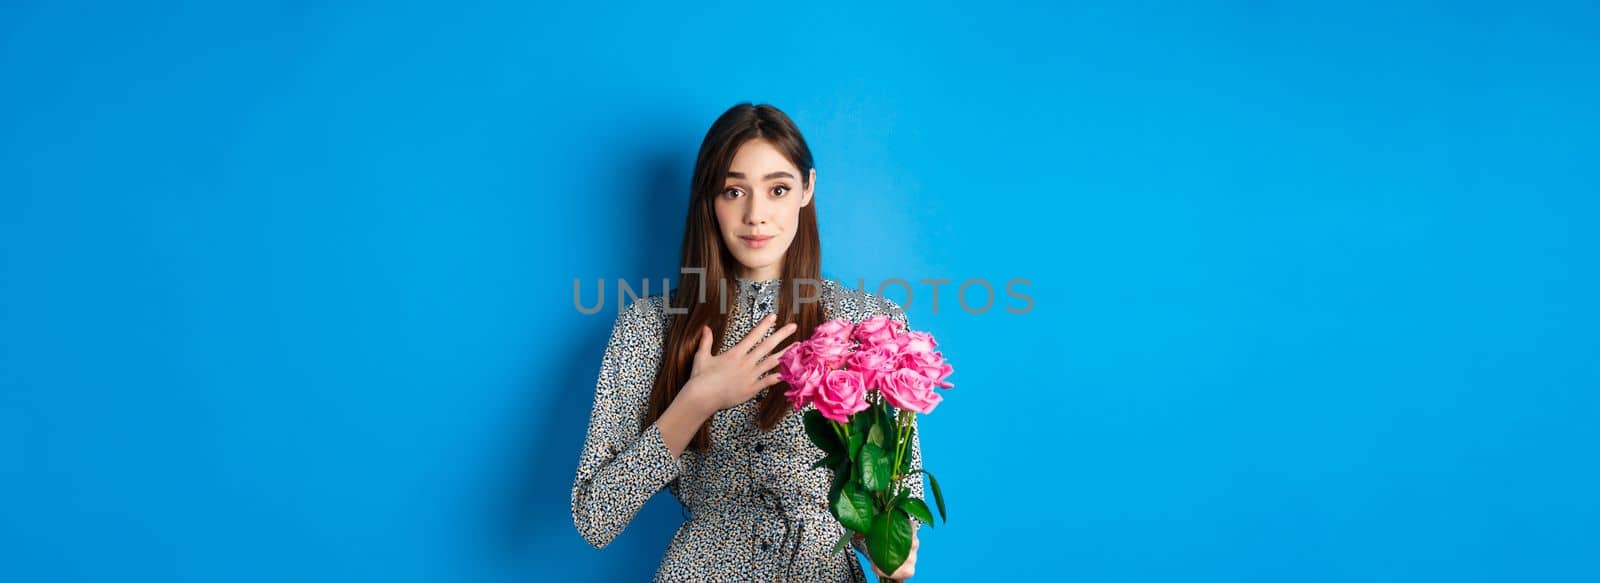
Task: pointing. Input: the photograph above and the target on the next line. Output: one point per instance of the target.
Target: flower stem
(902, 426)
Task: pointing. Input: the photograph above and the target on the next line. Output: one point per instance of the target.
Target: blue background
(286, 287)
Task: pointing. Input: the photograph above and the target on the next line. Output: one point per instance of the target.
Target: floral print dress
(757, 509)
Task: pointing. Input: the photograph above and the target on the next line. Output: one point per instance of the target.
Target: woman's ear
(811, 188)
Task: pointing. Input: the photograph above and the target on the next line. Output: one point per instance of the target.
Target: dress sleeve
(914, 451)
(621, 466)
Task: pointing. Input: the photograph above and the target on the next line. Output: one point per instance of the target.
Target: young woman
(688, 396)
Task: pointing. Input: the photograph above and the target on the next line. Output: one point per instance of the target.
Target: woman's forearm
(681, 421)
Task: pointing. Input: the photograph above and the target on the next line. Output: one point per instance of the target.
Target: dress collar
(758, 296)
(746, 283)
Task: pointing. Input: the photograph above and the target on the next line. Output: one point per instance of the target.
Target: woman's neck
(769, 274)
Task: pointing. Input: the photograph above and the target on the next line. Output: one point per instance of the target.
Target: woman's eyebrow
(771, 176)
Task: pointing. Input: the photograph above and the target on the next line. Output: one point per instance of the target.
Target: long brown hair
(704, 294)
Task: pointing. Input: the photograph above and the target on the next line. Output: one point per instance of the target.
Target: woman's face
(759, 206)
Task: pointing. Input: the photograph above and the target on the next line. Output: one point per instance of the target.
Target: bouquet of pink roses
(867, 382)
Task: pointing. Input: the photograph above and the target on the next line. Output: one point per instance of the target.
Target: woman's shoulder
(648, 312)
(857, 304)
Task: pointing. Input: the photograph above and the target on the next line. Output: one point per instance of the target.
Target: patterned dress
(757, 510)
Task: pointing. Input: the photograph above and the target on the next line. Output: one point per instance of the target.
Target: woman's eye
(731, 193)
(780, 190)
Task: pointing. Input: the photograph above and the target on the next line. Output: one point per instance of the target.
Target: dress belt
(793, 515)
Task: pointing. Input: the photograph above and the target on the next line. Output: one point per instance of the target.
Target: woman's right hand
(735, 376)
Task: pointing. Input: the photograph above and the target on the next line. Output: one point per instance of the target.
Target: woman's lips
(756, 242)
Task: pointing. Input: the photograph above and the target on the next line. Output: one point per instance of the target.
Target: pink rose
(927, 364)
(917, 342)
(842, 394)
(873, 363)
(909, 390)
(838, 328)
(802, 372)
(792, 357)
(831, 350)
(877, 330)
(803, 389)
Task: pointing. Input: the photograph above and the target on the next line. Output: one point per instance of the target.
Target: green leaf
(821, 432)
(916, 507)
(841, 478)
(889, 540)
(898, 498)
(860, 425)
(853, 508)
(830, 461)
(875, 436)
(861, 422)
(938, 496)
(874, 468)
(841, 475)
(844, 541)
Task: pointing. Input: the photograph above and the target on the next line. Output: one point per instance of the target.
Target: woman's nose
(755, 213)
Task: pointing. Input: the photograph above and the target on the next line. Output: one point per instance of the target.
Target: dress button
(765, 546)
(760, 447)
